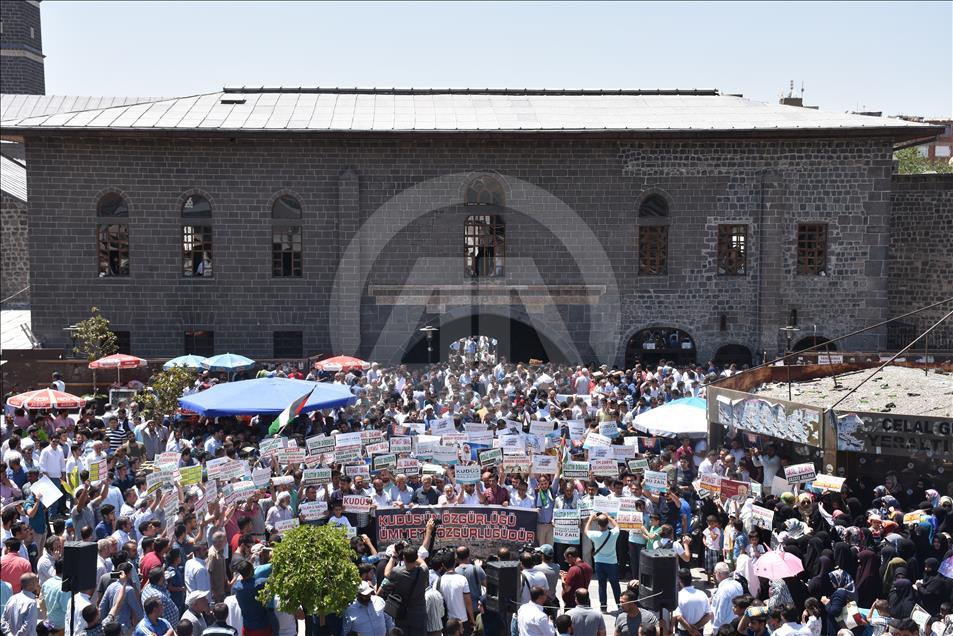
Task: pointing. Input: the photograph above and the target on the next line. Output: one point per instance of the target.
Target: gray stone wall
(921, 257)
(571, 220)
(21, 35)
(14, 258)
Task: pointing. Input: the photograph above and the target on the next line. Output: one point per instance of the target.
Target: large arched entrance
(814, 341)
(515, 340)
(729, 354)
(649, 346)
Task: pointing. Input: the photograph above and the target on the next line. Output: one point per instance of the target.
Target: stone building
(21, 48)
(579, 225)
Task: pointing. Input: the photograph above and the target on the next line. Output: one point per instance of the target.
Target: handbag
(394, 605)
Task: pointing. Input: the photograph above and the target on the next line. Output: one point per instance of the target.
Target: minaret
(21, 48)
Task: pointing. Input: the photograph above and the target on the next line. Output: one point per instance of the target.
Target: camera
(114, 576)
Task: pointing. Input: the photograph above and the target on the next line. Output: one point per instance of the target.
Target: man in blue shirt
(130, 610)
(255, 616)
(153, 624)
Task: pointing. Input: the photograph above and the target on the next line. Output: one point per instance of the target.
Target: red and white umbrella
(46, 399)
(118, 361)
(342, 363)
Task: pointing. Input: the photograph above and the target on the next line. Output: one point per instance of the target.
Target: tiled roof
(459, 110)
(13, 178)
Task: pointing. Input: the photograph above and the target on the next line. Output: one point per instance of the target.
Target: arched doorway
(649, 346)
(736, 354)
(515, 340)
(812, 341)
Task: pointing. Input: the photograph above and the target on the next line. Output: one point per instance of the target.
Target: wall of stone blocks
(390, 209)
(921, 257)
(21, 34)
(14, 257)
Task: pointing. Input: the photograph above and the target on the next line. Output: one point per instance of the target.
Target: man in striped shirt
(116, 433)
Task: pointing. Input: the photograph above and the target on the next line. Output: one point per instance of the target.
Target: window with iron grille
(653, 249)
(123, 342)
(484, 246)
(287, 344)
(812, 248)
(200, 343)
(732, 248)
(113, 250)
(286, 251)
(197, 251)
(484, 191)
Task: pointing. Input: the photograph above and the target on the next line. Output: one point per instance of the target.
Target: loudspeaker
(502, 586)
(79, 565)
(658, 576)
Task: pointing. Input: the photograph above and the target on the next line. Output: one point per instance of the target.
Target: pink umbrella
(118, 361)
(46, 399)
(777, 565)
(342, 363)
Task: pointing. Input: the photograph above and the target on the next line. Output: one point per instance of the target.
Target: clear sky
(892, 56)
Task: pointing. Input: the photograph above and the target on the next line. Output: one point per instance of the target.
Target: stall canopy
(265, 396)
(687, 416)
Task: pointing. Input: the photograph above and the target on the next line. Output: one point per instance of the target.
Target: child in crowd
(712, 538)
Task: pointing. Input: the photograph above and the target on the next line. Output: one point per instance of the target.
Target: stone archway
(736, 354)
(653, 344)
(814, 341)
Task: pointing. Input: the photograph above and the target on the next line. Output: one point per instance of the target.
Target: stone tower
(21, 48)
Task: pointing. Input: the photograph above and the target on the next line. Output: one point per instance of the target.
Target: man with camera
(405, 584)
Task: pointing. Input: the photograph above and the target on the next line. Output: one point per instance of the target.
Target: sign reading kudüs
(484, 528)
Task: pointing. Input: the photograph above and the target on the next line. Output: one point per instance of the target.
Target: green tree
(165, 389)
(912, 162)
(94, 338)
(312, 569)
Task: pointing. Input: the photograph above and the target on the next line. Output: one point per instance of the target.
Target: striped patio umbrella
(118, 361)
(46, 399)
(342, 363)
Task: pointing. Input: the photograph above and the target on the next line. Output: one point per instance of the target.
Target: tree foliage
(165, 389)
(94, 338)
(312, 569)
(912, 162)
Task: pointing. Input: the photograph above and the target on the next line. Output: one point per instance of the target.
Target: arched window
(484, 246)
(112, 236)
(286, 237)
(653, 236)
(112, 204)
(196, 239)
(484, 191)
(650, 346)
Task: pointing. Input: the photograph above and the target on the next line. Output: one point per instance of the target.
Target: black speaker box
(79, 565)
(502, 586)
(658, 576)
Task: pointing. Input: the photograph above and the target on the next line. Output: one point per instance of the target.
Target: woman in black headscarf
(934, 588)
(938, 547)
(907, 551)
(844, 558)
(820, 584)
(856, 512)
(901, 597)
(812, 555)
(867, 581)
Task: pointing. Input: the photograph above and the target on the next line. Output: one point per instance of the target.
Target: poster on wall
(791, 421)
(894, 434)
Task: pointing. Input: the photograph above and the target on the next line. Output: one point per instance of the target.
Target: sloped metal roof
(13, 178)
(458, 110)
(20, 106)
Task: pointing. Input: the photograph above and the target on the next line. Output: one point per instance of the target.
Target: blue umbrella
(683, 417)
(228, 362)
(265, 396)
(189, 362)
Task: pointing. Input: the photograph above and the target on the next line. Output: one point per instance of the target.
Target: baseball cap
(546, 549)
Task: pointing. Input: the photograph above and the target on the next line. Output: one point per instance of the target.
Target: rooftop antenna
(791, 89)
(802, 89)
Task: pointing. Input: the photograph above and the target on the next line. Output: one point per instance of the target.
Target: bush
(311, 568)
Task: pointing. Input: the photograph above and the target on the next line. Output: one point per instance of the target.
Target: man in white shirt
(791, 627)
(196, 572)
(531, 619)
(530, 578)
(728, 589)
(52, 460)
(771, 463)
(456, 591)
(694, 609)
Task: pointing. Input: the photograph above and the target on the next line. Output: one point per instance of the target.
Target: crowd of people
(190, 555)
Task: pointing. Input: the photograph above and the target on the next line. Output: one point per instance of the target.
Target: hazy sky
(895, 57)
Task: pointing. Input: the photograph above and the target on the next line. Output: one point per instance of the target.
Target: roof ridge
(696, 92)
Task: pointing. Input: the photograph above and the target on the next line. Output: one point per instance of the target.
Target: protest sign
(513, 445)
(762, 517)
(388, 461)
(347, 440)
(171, 457)
(289, 455)
(622, 453)
(98, 470)
(320, 444)
(484, 529)
(542, 428)
(608, 429)
(371, 436)
(638, 465)
(469, 474)
(799, 473)
(211, 491)
(153, 482)
(312, 510)
(261, 476)
(536, 443)
(655, 481)
(601, 452)
(710, 483)
(732, 489)
(446, 455)
(357, 503)
(631, 520)
(238, 491)
(576, 470)
(377, 448)
(401, 444)
(453, 439)
(432, 469)
(585, 507)
(480, 437)
(283, 480)
(519, 465)
(577, 428)
(828, 483)
(286, 524)
(349, 454)
(442, 426)
(912, 517)
(46, 491)
(357, 470)
(606, 467)
(545, 464)
(596, 439)
(491, 457)
(756, 489)
(425, 443)
(189, 475)
(408, 466)
(316, 476)
(415, 428)
(269, 446)
(566, 526)
(780, 485)
(606, 504)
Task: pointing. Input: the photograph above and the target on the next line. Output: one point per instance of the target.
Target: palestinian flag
(289, 414)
